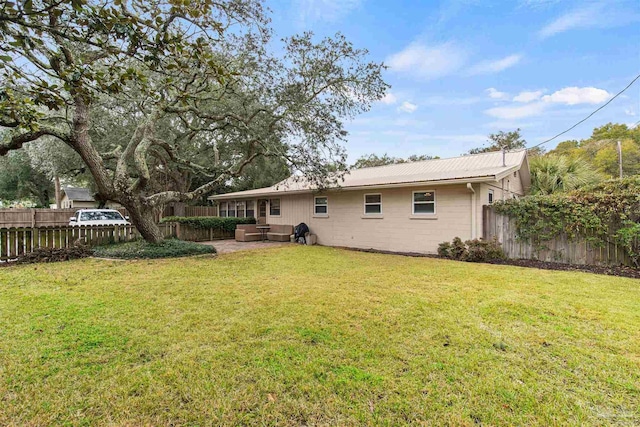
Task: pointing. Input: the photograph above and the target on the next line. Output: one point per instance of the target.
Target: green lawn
(315, 336)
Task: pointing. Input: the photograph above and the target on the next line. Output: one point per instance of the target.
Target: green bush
(458, 249)
(444, 249)
(479, 250)
(140, 249)
(210, 222)
(476, 250)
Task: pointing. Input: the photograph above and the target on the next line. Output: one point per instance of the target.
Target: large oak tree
(168, 79)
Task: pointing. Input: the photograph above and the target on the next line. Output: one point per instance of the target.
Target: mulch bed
(620, 271)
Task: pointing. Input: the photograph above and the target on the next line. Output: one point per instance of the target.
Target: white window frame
(491, 197)
(244, 209)
(279, 207)
(413, 203)
(253, 205)
(315, 205)
(231, 202)
(364, 208)
(226, 210)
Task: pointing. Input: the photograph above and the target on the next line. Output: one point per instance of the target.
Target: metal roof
(476, 167)
(78, 194)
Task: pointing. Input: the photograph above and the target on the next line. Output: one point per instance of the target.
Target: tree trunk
(179, 209)
(56, 181)
(144, 220)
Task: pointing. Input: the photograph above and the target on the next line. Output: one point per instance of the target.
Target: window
(490, 197)
(372, 204)
(241, 209)
(251, 213)
(223, 209)
(321, 206)
(102, 216)
(274, 207)
(424, 202)
(232, 208)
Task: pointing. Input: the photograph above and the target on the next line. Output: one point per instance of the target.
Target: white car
(98, 217)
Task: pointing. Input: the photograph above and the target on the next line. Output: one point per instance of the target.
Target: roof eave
(476, 179)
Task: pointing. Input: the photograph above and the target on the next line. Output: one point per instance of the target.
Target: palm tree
(556, 173)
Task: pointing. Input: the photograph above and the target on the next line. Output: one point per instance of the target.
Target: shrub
(476, 250)
(479, 250)
(444, 250)
(140, 249)
(55, 255)
(210, 222)
(458, 249)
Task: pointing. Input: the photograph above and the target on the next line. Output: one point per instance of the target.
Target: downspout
(473, 210)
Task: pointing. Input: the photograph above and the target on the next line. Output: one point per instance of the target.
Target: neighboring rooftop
(79, 194)
(484, 166)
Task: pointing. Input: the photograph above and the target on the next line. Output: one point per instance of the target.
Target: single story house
(408, 207)
(81, 198)
(77, 197)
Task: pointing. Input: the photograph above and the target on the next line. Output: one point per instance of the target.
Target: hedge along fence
(602, 215)
(198, 229)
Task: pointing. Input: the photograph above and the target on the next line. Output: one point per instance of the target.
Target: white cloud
(407, 107)
(517, 111)
(528, 96)
(574, 19)
(496, 94)
(598, 15)
(495, 66)
(389, 98)
(578, 95)
(630, 111)
(428, 62)
(324, 10)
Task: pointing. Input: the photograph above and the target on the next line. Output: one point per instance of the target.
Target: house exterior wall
(66, 203)
(397, 229)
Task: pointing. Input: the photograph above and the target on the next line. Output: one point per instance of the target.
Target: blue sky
(460, 70)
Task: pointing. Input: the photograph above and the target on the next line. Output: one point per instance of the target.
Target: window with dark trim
(490, 197)
(373, 204)
(223, 209)
(321, 206)
(274, 207)
(424, 202)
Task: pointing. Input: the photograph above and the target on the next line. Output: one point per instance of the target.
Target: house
(408, 207)
(77, 197)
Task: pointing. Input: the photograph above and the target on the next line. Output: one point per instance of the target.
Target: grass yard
(302, 335)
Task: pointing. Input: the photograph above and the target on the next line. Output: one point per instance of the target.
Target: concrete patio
(230, 245)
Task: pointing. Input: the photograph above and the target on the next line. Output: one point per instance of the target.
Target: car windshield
(101, 216)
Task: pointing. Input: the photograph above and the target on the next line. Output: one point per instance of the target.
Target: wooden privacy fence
(190, 211)
(560, 249)
(16, 241)
(186, 232)
(60, 217)
(39, 217)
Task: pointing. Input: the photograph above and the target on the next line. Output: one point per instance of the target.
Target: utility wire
(589, 116)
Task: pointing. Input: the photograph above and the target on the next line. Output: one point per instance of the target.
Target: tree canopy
(147, 88)
(600, 150)
(371, 160)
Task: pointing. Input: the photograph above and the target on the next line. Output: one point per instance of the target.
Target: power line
(589, 116)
